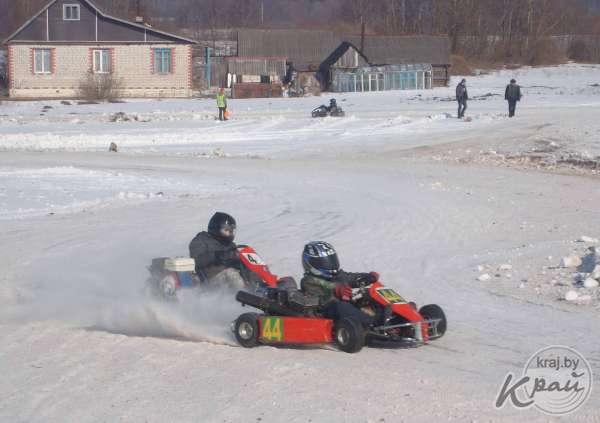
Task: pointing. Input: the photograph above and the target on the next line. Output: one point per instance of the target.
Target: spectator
(222, 104)
(461, 97)
(512, 95)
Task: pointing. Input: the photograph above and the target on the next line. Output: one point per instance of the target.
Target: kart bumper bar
(432, 328)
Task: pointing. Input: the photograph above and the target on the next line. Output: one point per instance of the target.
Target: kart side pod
(252, 329)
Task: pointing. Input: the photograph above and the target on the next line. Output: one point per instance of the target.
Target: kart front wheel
(349, 335)
(246, 330)
(435, 313)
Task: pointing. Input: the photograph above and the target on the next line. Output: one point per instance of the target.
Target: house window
(70, 12)
(42, 60)
(101, 61)
(162, 60)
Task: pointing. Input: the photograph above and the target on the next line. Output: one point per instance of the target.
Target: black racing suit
(213, 256)
(209, 251)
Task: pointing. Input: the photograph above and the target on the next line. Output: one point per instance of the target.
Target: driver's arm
(200, 252)
(355, 280)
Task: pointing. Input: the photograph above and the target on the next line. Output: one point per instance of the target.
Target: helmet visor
(330, 263)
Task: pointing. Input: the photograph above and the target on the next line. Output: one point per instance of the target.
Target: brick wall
(131, 64)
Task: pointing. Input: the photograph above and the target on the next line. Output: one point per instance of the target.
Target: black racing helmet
(319, 258)
(332, 102)
(222, 226)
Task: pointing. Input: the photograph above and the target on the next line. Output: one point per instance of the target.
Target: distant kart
(324, 111)
(284, 323)
(169, 276)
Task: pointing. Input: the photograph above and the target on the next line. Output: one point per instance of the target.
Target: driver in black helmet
(324, 279)
(215, 253)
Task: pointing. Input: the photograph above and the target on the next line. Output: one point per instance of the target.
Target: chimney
(138, 14)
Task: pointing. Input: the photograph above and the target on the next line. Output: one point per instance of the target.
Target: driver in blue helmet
(323, 278)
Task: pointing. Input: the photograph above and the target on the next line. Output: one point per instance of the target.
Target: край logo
(556, 380)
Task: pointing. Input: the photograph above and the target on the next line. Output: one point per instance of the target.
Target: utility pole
(262, 12)
(362, 33)
(403, 16)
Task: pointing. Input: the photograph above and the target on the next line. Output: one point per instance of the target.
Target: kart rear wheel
(349, 335)
(246, 330)
(434, 311)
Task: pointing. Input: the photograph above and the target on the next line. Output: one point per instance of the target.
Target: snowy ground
(399, 186)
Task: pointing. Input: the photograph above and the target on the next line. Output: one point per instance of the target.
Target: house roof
(339, 52)
(104, 15)
(396, 50)
(307, 47)
(303, 47)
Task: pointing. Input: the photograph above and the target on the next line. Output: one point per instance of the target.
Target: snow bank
(26, 193)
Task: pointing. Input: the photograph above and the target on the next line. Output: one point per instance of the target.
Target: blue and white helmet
(320, 259)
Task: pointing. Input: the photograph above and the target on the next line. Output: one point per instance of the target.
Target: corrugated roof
(302, 47)
(305, 48)
(394, 50)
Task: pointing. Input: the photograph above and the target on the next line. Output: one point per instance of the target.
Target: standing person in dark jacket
(215, 253)
(512, 95)
(461, 97)
(324, 279)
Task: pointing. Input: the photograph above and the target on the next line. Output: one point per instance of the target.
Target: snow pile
(570, 261)
(122, 117)
(575, 278)
(586, 278)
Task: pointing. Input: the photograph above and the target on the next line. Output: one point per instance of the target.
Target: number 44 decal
(391, 295)
(272, 329)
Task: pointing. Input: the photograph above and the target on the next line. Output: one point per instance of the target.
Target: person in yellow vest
(222, 104)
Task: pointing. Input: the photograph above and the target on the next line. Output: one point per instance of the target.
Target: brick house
(60, 46)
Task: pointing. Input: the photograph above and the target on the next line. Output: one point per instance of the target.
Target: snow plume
(195, 317)
(115, 300)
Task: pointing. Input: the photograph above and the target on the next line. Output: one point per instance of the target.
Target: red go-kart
(171, 275)
(286, 321)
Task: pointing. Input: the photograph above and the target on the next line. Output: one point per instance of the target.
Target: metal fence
(383, 78)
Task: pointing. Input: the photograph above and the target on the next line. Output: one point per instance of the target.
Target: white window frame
(44, 70)
(104, 64)
(158, 68)
(75, 6)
